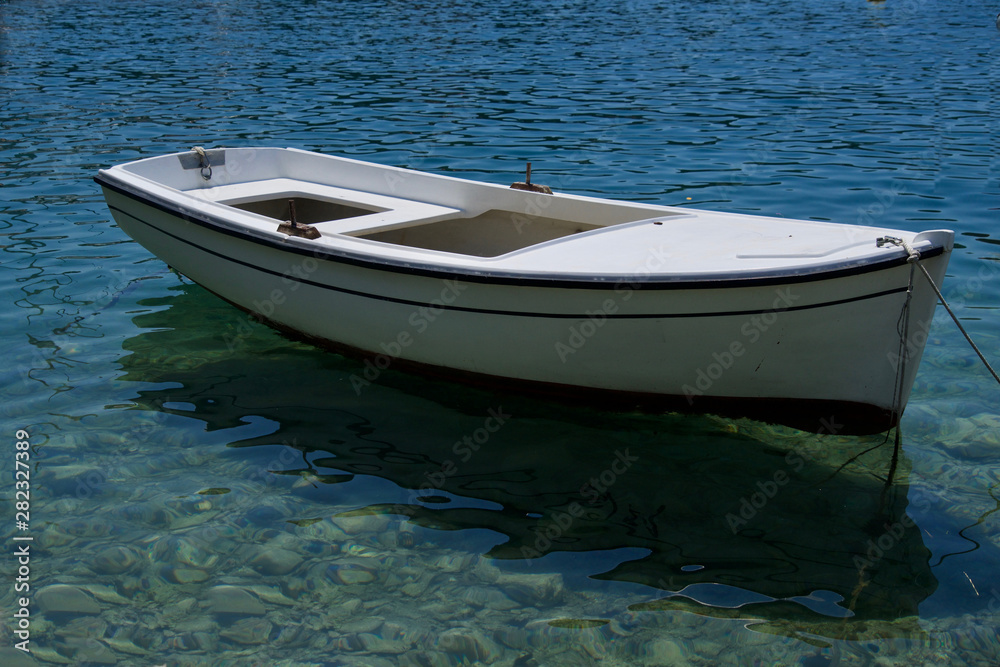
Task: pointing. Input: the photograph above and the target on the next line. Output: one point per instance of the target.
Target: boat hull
(818, 351)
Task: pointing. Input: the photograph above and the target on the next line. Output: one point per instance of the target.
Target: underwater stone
(275, 561)
(293, 587)
(362, 625)
(131, 585)
(470, 645)
(663, 652)
(185, 641)
(89, 652)
(62, 598)
(87, 477)
(415, 589)
(49, 655)
(88, 527)
(430, 659)
(53, 536)
(377, 644)
(12, 657)
(480, 596)
(124, 646)
(249, 631)
(234, 600)
(271, 595)
(83, 626)
(264, 515)
(184, 551)
(181, 608)
(532, 589)
(105, 593)
(183, 575)
(350, 573)
(114, 560)
(517, 638)
(361, 523)
(453, 563)
(193, 623)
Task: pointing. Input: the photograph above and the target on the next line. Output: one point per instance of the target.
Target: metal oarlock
(529, 186)
(293, 228)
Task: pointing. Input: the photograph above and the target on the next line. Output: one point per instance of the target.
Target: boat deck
(685, 241)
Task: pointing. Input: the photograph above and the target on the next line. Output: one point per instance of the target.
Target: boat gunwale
(653, 281)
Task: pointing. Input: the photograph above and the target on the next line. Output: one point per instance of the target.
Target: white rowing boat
(815, 324)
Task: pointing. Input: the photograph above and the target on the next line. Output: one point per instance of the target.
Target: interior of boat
(488, 234)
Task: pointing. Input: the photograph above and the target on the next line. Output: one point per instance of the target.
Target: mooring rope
(913, 258)
(204, 162)
(959, 324)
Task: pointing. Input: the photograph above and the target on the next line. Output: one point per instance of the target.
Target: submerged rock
(183, 552)
(275, 561)
(83, 626)
(351, 573)
(376, 644)
(114, 560)
(233, 600)
(249, 631)
(271, 595)
(663, 651)
(88, 652)
(361, 523)
(105, 593)
(183, 575)
(48, 654)
(62, 598)
(465, 644)
(485, 596)
(12, 657)
(532, 589)
(362, 625)
(125, 646)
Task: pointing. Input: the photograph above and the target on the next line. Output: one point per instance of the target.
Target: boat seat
(380, 212)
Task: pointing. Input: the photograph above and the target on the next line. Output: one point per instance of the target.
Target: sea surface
(206, 491)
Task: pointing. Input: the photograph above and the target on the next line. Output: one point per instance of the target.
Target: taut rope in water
(913, 258)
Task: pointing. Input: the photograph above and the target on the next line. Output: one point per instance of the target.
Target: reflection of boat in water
(798, 529)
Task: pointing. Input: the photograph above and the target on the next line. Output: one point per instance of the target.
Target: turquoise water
(204, 491)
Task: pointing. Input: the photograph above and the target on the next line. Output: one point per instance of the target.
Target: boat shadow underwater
(800, 534)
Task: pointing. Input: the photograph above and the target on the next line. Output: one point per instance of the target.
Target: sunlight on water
(207, 491)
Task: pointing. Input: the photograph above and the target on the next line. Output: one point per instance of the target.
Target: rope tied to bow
(204, 162)
(913, 258)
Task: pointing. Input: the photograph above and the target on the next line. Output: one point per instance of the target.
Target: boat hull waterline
(624, 304)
